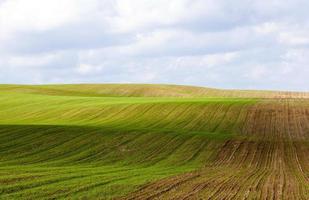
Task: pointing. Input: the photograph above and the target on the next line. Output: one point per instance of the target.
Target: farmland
(152, 142)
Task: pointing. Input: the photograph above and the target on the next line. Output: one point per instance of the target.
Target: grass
(77, 181)
(135, 141)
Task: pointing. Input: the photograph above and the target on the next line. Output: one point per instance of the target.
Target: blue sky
(247, 44)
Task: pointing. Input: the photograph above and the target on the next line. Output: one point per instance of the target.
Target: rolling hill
(131, 141)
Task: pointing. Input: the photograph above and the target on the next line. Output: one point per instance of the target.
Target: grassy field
(152, 142)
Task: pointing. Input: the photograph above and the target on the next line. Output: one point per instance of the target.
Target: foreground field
(152, 142)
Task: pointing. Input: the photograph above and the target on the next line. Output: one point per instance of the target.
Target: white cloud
(36, 15)
(258, 73)
(88, 68)
(134, 16)
(267, 28)
(294, 38)
(202, 61)
(32, 61)
(218, 43)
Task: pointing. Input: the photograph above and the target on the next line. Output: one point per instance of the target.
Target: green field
(152, 142)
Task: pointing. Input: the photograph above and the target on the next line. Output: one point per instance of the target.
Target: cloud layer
(247, 44)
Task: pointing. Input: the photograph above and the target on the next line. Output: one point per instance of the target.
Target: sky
(244, 44)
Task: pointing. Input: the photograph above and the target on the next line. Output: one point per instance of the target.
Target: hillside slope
(152, 142)
(145, 90)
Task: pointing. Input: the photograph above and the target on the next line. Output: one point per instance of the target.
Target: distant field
(121, 141)
(145, 90)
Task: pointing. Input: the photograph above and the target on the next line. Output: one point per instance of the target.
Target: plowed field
(152, 142)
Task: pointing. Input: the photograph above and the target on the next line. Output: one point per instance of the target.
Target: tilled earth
(271, 162)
